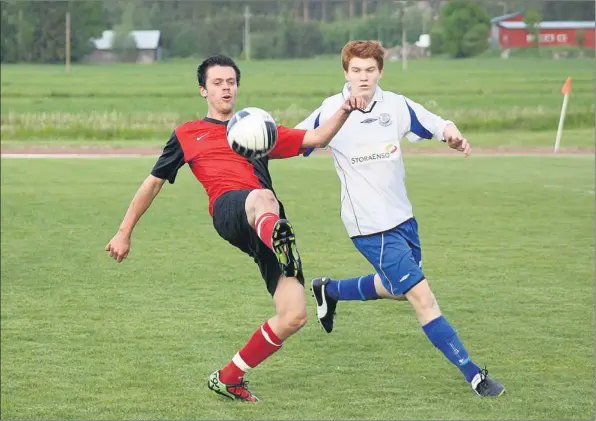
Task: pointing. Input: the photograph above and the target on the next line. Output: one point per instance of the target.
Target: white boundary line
(143, 155)
(71, 155)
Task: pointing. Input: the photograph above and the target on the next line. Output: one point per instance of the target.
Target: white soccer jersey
(367, 156)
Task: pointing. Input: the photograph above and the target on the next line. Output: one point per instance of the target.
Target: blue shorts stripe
(384, 275)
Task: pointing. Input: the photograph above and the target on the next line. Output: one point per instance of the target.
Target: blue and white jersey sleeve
(311, 122)
(421, 123)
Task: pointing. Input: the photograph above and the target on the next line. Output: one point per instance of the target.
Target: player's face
(220, 89)
(363, 75)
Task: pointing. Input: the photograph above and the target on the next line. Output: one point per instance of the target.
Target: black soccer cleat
(485, 386)
(325, 304)
(284, 246)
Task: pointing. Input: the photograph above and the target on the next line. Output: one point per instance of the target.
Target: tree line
(34, 31)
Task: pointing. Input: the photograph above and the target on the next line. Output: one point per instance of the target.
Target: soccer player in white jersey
(375, 208)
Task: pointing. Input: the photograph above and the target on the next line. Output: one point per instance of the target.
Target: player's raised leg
(263, 213)
(261, 210)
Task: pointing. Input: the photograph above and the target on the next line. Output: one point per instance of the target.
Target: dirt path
(50, 150)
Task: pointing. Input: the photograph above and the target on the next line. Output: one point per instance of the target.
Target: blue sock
(362, 288)
(444, 337)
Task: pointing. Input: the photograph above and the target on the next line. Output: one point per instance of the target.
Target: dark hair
(218, 60)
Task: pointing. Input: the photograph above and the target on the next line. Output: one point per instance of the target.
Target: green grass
(508, 246)
(572, 138)
(132, 102)
(578, 139)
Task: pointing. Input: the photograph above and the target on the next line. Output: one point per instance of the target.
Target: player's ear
(203, 92)
(346, 75)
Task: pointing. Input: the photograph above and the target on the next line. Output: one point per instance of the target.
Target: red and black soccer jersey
(203, 145)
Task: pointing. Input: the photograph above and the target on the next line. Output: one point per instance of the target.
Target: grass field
(508, 245)
(144, 103)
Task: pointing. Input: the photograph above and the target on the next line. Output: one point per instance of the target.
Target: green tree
(458, 18)
(437, 41)
(475, 41)
(184, 43)
(568, 10)
(124, 44)
(35, 31)
(532, 19)
(580, 37)
(496, 8)
(17, 32)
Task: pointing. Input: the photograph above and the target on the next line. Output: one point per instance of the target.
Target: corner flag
(565, 90)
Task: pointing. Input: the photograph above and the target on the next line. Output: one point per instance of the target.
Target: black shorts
(231, 223)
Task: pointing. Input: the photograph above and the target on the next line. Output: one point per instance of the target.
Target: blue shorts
(395, 255)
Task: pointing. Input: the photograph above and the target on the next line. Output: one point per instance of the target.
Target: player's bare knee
(266, 195)
(294, 320)
(264, 202)
(259, 202)
(383, 292)
(422, 298)
(427, 303)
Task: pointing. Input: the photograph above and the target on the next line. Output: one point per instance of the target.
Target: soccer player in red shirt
(244, 208)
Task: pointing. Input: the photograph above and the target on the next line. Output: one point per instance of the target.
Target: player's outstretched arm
(321, 136)
(455, 140)
(119, 245)
(166, 168)
(423, 124)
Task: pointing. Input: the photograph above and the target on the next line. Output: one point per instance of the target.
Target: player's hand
(119, 246)
(456, 141)
(354, 103)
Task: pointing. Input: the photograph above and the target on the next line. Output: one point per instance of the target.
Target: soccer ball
(252, 132)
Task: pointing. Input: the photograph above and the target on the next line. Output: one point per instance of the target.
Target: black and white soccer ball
(252, 132)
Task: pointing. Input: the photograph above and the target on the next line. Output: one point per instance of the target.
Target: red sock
(264, 227)
(259, 347)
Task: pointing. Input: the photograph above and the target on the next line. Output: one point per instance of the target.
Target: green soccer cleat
(238, 392)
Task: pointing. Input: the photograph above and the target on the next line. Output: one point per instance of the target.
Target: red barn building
(509, 31)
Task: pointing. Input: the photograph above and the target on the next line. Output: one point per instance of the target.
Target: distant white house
(423, 41)
(148, 47)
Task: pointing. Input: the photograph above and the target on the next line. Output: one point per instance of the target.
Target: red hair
(363, 49)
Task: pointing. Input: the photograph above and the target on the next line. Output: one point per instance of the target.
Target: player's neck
(215, 115)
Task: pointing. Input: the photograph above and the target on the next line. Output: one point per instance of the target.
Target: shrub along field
(145, 103)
